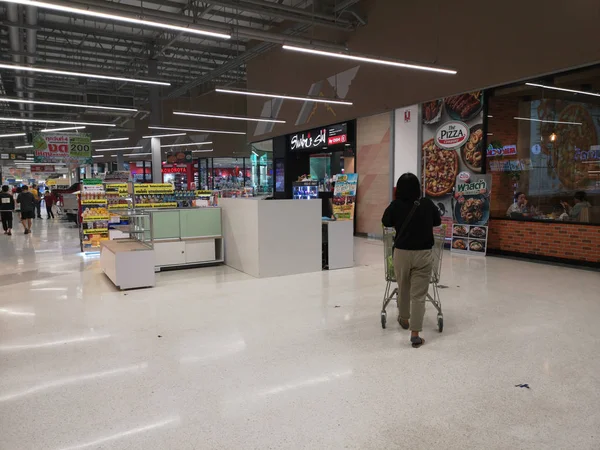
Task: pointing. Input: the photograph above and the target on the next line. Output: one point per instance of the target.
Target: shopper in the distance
(413, 218)
(7, 206)
(38, 200)
(27, 202)
(49, 201)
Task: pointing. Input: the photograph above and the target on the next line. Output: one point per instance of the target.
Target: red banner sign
(333, 140)
(174, 170)
(42, 168)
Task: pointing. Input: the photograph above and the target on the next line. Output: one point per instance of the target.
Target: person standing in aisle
(27, 202)
(49, 201)
(38, 200)
(413, 218)
(7, 206)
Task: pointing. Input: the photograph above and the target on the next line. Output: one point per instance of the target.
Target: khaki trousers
(413, 272)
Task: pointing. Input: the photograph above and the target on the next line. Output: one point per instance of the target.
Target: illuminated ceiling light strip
(67, 122)
(99, 156)
(110, 139)
(216, 116)
(117, 18)
(73, 105)
(164, 135)
(50, 130)
(24, 146)
(547, 121)
(119, 148)
(137, 154)
(186, 145)
(386, 62)
(82, 74)
(285, 97)
(202, 151)
(193, 130)
(573, 91)
(12, 135)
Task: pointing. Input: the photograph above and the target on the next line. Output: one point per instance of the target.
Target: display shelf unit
(181, 237)
(93, 216)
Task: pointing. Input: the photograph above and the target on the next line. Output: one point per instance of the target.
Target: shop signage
(309, 140)
(60, 148)
(16, 157)
(42, 168)
(471, 211)
(507, 150)
(593, 154)
(334, 140)
(179, 158)
(514, 165)
(119, 176)
(174, 169)
(452, 134)
(4, 156)
(319, 137)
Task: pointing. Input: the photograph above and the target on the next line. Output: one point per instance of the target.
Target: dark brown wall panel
(489, 43)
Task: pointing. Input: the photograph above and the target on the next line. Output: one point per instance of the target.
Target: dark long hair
(408, 188)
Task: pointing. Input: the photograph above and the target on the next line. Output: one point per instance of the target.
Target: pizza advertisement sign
(471, 214)
(62, 148)
(452, 144)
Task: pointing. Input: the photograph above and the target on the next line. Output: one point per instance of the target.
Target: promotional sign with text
(344, 196)
(471, 210)
(62, 148)
(453, 143)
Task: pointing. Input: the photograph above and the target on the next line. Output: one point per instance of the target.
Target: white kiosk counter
(268, 238)
(128, 263)
(339, 238)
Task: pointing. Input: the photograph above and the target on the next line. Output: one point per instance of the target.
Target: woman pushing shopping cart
(413, 219)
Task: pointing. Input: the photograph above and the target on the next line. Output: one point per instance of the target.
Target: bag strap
(406, 221)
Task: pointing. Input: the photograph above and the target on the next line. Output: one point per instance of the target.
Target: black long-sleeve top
(418, 234)
(7, 202)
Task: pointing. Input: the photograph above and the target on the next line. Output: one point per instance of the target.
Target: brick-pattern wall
(504, 128)
(551, 239)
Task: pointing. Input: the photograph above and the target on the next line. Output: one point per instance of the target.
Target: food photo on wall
(453, 143)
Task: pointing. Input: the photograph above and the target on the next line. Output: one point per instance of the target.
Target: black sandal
(404, 323)
(417, 341)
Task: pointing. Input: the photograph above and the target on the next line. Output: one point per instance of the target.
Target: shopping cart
(389, 234)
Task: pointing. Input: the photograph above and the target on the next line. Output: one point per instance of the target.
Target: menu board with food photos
(344, 196)
(453, 143)
(471, 212)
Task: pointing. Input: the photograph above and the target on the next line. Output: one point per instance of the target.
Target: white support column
(156, 160)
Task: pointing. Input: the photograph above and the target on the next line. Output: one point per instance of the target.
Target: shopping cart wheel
(440, 323)
(383, 318)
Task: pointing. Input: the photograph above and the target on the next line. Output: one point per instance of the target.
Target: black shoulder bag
(406, 222)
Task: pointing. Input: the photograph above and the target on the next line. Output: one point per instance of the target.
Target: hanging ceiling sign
(62, 148)
(319, 137)
(42, 168)
(183, 157)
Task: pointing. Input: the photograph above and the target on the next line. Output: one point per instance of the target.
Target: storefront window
(228, 173)
(261, 167)
(544, 149)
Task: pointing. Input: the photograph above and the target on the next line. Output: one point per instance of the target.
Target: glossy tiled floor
(213, 359)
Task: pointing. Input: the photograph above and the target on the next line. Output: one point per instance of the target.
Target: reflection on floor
(214, 359)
